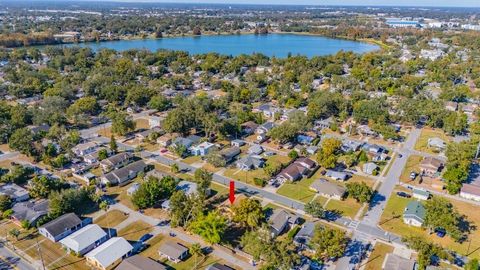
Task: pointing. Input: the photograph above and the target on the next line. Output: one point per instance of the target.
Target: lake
(279, 45)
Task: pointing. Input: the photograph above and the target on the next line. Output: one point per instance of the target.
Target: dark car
(403, 194)
(440, 232)
(145, 237)
(164, 223)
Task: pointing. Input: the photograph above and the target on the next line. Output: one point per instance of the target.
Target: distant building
(398, 23)
(370, 168)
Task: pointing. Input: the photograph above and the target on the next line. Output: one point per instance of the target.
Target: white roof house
(85, 239)
(116, 248)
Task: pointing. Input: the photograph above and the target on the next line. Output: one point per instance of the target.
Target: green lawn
(111, 219)
(422, 142)
(411, 166)
(348, 207)
(245, 176)
(299, 190)
(377, 256)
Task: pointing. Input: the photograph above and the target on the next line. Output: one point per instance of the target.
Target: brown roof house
(431, 167)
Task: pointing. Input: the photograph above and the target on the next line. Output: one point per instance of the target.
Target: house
(187, 187)
(373, 148)
(323, 124)
(83, 149)
(421, 194)
(255, 149)
(351, 146)
(250, 162)
(311, 150)
(238, 143)
(395, 262)
(92, 158)
(229, 154)
(379, 157)
(414, 214)
(268, 110)
(370, 168)
(470, 191)
(123, 175)
(336, 175)
(366, 130)
(30, 211)
(174, 252)
(249, 127)
(217, 266)
(109, 253)
(138, 262)
(186, 142)
(154, 121)
(451, 106)
(43, 128)
(131, 190)
(165, 140)
(436, 143)
(116, 161)
(62, 226)
(145, 134)
(84, 240)
(327, 189)
(15, 192)
(302, 238)
(306, 162)
(281, 220)
(202, 149)
(430, 166)
(293, 172)
(265, 128)
(261, 138)
(305, 139)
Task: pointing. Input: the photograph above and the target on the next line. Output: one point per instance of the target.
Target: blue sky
(448, 3)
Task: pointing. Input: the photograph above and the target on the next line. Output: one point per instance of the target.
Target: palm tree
(196, 250)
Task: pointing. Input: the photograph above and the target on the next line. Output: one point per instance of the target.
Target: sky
(436, 3)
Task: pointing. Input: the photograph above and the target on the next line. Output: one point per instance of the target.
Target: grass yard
(358, 179)
(219, 189)
(135, 230)
(396, 205)
(209, 167)
(348, 207)
(244, 176)
(427, 133)
(192, 159)
(142, 123)
(119, 194)
(377, 256)
(299, 190)
(111, 219)
(412, 165)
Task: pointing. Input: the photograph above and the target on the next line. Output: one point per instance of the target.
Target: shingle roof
(138, 262)
(123, 172)
(172, 250)
(30, 211)
(415, 210)
(109, 252)
(280, 218)
(325, 187)
(62, 223)
(84, 237)
(116, 159)
(395, 262)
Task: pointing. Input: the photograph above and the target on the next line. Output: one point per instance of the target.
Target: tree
(179, 149)
(122, 123)
(271, 169)
(361, 192)
(184, 209)
(293, 154)
(203, 178)
(426, 250)
(102, 154)
(159, 103)
(22, 140)
(70, 200)
(42, 186)
(472, 265)
(215, 158)
(15, 233)
(248, 212)
(174, 168)
(440, 213)
(196, 251)
(328, 153)
(17, 174)
(113, 144)
(210, 227)
(328, 243)
(5, 203)
(152, 190)
(315, 209)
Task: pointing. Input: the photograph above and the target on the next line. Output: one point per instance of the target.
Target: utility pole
(40, 254)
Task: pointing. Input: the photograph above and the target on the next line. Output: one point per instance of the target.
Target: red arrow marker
(232, 191)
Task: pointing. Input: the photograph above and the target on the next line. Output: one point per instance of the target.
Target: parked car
(413, 175)
(403, 194)
(440, 232)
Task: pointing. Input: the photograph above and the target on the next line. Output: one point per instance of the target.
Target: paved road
(9, 260)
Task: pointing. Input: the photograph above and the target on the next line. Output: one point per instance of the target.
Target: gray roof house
(255, 149)
(229, 154)
(85, 239)
(265, 128)
(62, 226)
(414, 214)
(15, 192)
(281, 220)
(369, 168)
(30, 211)
(116, 161)
(305, 234)
(123, 175)
(109, 253)
(250, 162)
(138, 262)
(436, 143)
(395, 262)
(327, 189)
(174, 252)
(187, 142)
(337, 175)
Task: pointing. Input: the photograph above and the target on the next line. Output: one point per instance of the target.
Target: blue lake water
(279, 45)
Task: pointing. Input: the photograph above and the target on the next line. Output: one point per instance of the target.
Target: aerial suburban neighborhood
(157, 136)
